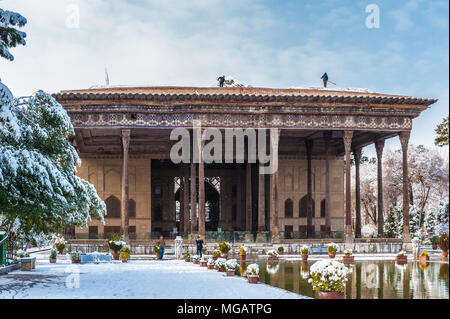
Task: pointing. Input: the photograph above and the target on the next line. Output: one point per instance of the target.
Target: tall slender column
(348, 196)
(201, 190)
(261, 202)
(404, 140)
(239, 198)
(327, 137)
(193, 198)
(125, 195)
(186, 197)
(379, 145)
(180, 173)
(357, 154)
(248, 197)
(309, 214)
(274, 206)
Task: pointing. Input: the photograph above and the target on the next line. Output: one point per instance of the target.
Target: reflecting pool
(367, 279)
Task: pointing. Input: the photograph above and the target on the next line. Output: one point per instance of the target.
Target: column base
(348, 234)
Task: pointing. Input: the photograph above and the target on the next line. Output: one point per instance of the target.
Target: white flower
(220, 263)
(253, 270)
(272, 253)
(304, 250)
(210, 261)
(231, 264)
(204, 259)
(401, 253)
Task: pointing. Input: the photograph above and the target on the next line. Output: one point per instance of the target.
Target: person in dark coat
(325, 79)
(199, 243)
(221, 80)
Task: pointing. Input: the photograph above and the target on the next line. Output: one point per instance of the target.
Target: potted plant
(220, 264)
(443, 244)
(204, 251)
(253, 273)
(328, 278)
(332, 249)
(196, 259)
(187, 257)
(424, 257)
(434, 242)
(75, 256)
(280, 250)
(224, 248)
(60, 244)
(215, 254)
(272, 255)
(401, 257)
(231, 267)
(156, 250)
(348, 257)
(125, 254)
(210, 263)
(53, 254)
(115, 243)
(242, 253)
(304, 251)
(26, 262)
(203, 261)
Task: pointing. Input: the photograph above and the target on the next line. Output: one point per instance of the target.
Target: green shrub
(281, 249)
(75, 255)
(435, 240)
(115, 243)
(443, 242)
(186, 255)
(155, 248)
(125, 253)
(224, 247)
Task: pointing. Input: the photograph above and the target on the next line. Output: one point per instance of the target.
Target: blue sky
(261, 43)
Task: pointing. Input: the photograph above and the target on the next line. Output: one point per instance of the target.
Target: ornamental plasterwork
(122, 119)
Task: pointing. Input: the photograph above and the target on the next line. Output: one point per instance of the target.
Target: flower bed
(272, 255)
(304, 251)
(348, 257)
(253, 273)
(203, 261)
(196, 260)
(210, 263)
(328, 278)
(231, 267)
(220, 264)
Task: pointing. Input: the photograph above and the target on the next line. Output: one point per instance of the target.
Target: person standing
(199, 242)
(161, 245)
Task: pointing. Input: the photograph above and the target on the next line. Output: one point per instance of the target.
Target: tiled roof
(168, 93)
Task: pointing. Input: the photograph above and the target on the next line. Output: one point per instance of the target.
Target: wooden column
(357, 153)
(327, 137)
(309, 214)
(180, 174)
(125, 196)
(404, 140)
(248, 197)
(239, 198)
(379, 145)
(261, 202)
(201, 191)
(186, 197)
(193, 198)
(274, 205)
(347, 136)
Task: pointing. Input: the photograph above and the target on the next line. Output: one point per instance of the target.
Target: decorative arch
(288, 208)
(303, 207)
(112, 207)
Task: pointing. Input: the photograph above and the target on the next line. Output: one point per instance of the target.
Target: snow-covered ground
(135, 279)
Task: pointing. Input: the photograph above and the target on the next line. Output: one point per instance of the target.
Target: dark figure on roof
(325, 79)
(221, 80)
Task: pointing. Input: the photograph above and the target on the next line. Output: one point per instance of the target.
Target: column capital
(379, 146)
(347, 136)
(404, 139)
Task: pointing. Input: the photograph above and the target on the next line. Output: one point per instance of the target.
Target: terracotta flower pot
(203, 264)
(332, 254)
(215, 257)
(434, 247)
(401, 259)
(224, 255)
(242, 257)
(280, 252)
(210, 266)
(348, 259)
(304, 257)
(231, 273)
(221, 269)
(187, 260)
(124, 260)
(75, 261)
(53, 260)
(252, 279)
(116, 256)
(330, 295)
(196, 261)
(444, 254)
(60, 251)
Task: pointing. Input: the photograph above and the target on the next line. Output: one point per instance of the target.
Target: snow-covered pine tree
(10, 37)
(391, 224)
(441, 226)
(38, 186)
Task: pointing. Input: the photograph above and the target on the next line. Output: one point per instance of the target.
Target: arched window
(303, 207)
(322, 208)
(112, 207)
(158, 212)
(131, 208)
(288, 208)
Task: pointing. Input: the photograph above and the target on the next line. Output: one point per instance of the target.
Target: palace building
(122, 135)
